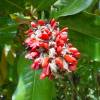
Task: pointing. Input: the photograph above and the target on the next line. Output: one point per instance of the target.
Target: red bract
(50, 49)
(45, 72)
(44, 45)
(33, 24)
(59, 62)
(64, 29)
(36, 63)
(70, 59)
(44, 36)
(41, 22)
(72, 67)
(53, 23)
(30, 31)
(45, 62)
(59, 49)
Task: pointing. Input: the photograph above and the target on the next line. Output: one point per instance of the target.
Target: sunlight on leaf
(69, 7)
(34, 87)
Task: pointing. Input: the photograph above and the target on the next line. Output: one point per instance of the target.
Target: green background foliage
(18, 81)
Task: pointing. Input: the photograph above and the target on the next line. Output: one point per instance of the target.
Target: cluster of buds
(49, 48)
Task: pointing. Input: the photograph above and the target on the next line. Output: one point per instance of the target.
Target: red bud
(70, 59)
(72, 67)
(61, 43)
(77, 55)
(64, 29)
(29, 32)
(63, 37)
(44, 45)
(34, 54)
(44, 36)
(36, 64)
(45, 72)
(33, 24)
(53, 23)
(59, 49)
(41, 22)
(73, 50)
(43, 75)
(59, 62)
(45, 62)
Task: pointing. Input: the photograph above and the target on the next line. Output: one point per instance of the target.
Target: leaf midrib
(33, 89)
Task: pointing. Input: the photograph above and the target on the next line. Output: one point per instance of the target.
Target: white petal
(37, 32)
(64, 51)
(53, 67)
(65, 33)
(33, 36)
(52, 43)
(28, 56)
(66, 65)
(52, 52)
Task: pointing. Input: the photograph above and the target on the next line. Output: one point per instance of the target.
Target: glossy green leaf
(69, 7)
(8, 30)
(20, 91)
(34, 88)
(87, 45)
(97, 21)
(84, 33)
(11, 6)
(92, 7)
(83, 23)
(42, 4)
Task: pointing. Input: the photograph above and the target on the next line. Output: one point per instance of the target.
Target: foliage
(18, 81)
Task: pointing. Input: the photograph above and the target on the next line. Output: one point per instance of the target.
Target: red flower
(49, 48)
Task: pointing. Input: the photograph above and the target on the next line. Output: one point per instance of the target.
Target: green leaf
(11, 6)
(87, 45)
(42, 4)
(92, 7)
(83, 23)
(34, 88)
(8, 30)
(84, 33)
(97, 20)
(69, 7)
(20, 91)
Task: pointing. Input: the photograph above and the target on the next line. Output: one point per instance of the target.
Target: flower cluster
(49, 48)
